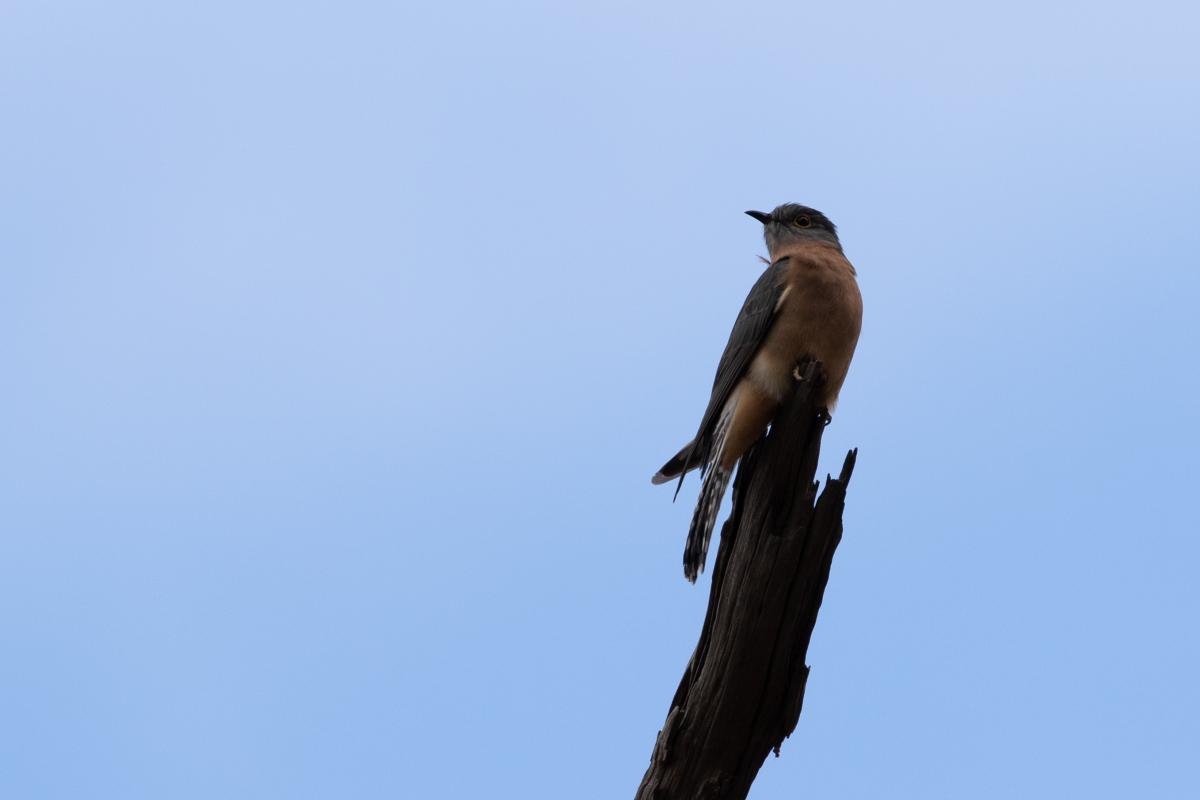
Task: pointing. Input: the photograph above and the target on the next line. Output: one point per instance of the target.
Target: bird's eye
(803, 222)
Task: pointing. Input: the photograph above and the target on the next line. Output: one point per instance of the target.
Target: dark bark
(743, 688)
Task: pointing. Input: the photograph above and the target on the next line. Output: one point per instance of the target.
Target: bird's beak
(760, 216)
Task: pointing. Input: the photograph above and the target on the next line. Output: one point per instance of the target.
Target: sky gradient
(341, 341)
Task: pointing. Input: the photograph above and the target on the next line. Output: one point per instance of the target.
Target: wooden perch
(743, 688)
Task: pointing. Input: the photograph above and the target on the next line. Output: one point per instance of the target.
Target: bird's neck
(804, 247)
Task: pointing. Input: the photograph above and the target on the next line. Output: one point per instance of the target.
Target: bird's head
(792, 222)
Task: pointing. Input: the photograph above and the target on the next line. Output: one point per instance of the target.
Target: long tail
(712, 491)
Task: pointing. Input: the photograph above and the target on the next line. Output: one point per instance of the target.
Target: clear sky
(340, 341)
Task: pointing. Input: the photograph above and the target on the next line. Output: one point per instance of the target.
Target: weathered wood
(743, 688)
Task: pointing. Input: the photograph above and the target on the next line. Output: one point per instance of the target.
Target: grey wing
(749, 330)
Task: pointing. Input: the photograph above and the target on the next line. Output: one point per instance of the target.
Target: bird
(806, 303)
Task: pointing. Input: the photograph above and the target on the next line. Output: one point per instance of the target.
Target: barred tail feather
(695, 552)
(712, 491)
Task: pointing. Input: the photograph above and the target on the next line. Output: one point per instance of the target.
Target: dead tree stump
(743, 688)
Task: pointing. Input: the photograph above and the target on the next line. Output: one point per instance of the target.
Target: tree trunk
(743, 688)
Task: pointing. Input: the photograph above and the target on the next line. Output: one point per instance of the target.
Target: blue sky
(341, 340)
